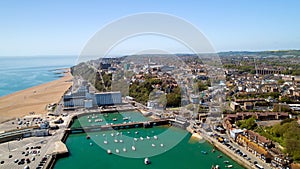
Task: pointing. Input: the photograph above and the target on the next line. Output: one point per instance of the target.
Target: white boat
(112, 134)
(153, 145)
(115, 140)
(118, 133)
(136, 132)
(105, 142)
(147, 161)
(124, 149)
(161, 145)
(117, 151)
(141, 138)
(98, 120)
(128, 132)
(133, 148)
(125, 118)
(109, 151)
(229, 166)
(226, 162)
(91, 144)
(148, 138)
(90, 120)
(121, 141)
(114, 119)
(103, 135)
(155, 137)
(135, 139)
(215, 167)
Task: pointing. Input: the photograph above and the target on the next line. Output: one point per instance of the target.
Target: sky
(55, 27)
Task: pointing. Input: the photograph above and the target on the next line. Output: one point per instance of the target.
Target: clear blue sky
(62, 27)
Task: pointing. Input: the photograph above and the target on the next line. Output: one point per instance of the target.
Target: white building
(108, 98)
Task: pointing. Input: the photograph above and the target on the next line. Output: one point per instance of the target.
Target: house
(248, 106)
(234, 106)
(254, 148)
(279, 160)
(258, 139)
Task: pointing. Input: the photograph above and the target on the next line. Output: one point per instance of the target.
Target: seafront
(34, 99)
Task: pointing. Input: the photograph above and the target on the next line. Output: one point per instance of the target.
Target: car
(255, 162)
(16, 160)
(10, 156)
(21, 162)
(27, 161)
(2, 162)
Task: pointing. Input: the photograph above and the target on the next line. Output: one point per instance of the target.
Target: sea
(21, 72)
(173, 148)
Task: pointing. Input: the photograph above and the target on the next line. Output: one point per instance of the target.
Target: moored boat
(147, 161)
(133, 148)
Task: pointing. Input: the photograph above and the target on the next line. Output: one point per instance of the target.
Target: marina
(138, 148)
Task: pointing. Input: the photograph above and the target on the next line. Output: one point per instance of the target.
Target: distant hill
(261, 53)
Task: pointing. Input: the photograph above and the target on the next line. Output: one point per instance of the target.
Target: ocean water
(172, 148)
(18, 73)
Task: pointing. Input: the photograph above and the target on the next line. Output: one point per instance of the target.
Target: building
(126, 66)
(105, 65)
(258, 139)
(83, 98)
(88, 103)
(234, 106)
(76, 98)
(279, 160)
(195, 99)
(108, 98)
(253, 147)
(235, 132)
(248, 106)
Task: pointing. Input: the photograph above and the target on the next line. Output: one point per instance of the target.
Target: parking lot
(30, 152)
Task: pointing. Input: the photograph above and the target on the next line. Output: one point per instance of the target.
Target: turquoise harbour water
(18, 73)
(163, 152)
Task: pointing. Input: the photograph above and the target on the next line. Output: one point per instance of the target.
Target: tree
(249, 124)
(281, 81)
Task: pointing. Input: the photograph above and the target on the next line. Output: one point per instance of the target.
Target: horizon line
(121, 55)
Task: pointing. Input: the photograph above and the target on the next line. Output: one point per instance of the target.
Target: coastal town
(245, 109)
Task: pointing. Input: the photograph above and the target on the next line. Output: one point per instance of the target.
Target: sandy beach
(34, 99)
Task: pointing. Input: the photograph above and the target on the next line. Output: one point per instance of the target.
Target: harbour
(112, 148)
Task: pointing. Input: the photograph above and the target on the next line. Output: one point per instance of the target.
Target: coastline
(34, 99)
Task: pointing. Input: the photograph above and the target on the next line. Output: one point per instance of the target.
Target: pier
(146, 124)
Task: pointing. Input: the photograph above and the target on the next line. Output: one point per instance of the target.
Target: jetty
(146, 124)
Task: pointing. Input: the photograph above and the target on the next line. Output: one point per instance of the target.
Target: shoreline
(34, 99)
